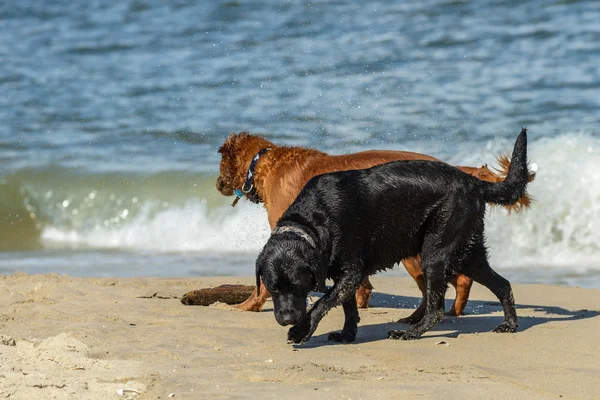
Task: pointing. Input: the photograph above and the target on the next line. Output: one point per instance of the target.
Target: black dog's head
(290, 270)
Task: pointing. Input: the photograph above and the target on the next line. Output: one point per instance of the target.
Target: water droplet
(124, 213)
(533, 167)
(134, 200)
(65, 203)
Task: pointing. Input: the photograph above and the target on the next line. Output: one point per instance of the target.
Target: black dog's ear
(321, 285)
(320, 275)
(320, 262)
(258, 273)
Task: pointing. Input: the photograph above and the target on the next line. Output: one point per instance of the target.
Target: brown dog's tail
(525, 200)
(514, 186)
(485, 174)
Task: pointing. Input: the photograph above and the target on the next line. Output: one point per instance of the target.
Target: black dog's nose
(286, 317)
(220, 184)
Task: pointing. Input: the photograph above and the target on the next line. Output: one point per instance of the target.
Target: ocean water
(112, 113)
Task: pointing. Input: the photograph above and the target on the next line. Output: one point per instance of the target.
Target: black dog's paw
(414, 318)
(342, 337)
(299, 333)
(396, 334)
(401, 335)
(506, 327)
(410, 320)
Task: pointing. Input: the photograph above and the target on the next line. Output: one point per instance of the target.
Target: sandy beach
(66, 337)
(117, 180)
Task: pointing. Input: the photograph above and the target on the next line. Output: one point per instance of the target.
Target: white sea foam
(562, 227)
(192, 227)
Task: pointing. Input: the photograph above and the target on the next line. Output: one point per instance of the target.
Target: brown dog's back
(285, 183)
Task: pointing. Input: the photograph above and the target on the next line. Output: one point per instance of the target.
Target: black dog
(347, 225)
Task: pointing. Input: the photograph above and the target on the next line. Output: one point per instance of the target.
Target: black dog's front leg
(348, 333)
(343, 291)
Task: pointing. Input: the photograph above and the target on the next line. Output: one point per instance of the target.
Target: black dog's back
(388, 208)
(385, 211)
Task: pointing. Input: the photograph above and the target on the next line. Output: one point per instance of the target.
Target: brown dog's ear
(226, 147)
(232, 141)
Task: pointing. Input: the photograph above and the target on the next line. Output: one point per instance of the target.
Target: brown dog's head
(236, 156)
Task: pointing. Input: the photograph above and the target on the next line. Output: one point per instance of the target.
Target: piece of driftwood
(230, 294)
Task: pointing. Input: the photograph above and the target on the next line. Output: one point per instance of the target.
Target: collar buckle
(248, 188)
(238, 195)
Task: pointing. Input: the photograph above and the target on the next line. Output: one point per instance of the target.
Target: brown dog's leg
(363, 294)
(413, 267)
(462, 284)
(255, 302)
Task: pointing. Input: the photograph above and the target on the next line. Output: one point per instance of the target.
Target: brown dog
(281, 172)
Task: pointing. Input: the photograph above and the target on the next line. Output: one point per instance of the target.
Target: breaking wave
(178, 212)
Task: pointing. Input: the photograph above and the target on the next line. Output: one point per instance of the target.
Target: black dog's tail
(514, 186)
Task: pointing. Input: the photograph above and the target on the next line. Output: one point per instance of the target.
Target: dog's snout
(220, 184)
(286, 317)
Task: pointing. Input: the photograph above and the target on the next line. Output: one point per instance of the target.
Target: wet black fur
(364, 221)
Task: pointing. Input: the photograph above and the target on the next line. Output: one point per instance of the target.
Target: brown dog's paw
(452, 313)
(506, 327)
(249, 306)
(342, 337)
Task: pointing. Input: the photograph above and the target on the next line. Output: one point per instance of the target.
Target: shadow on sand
(479, 319)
